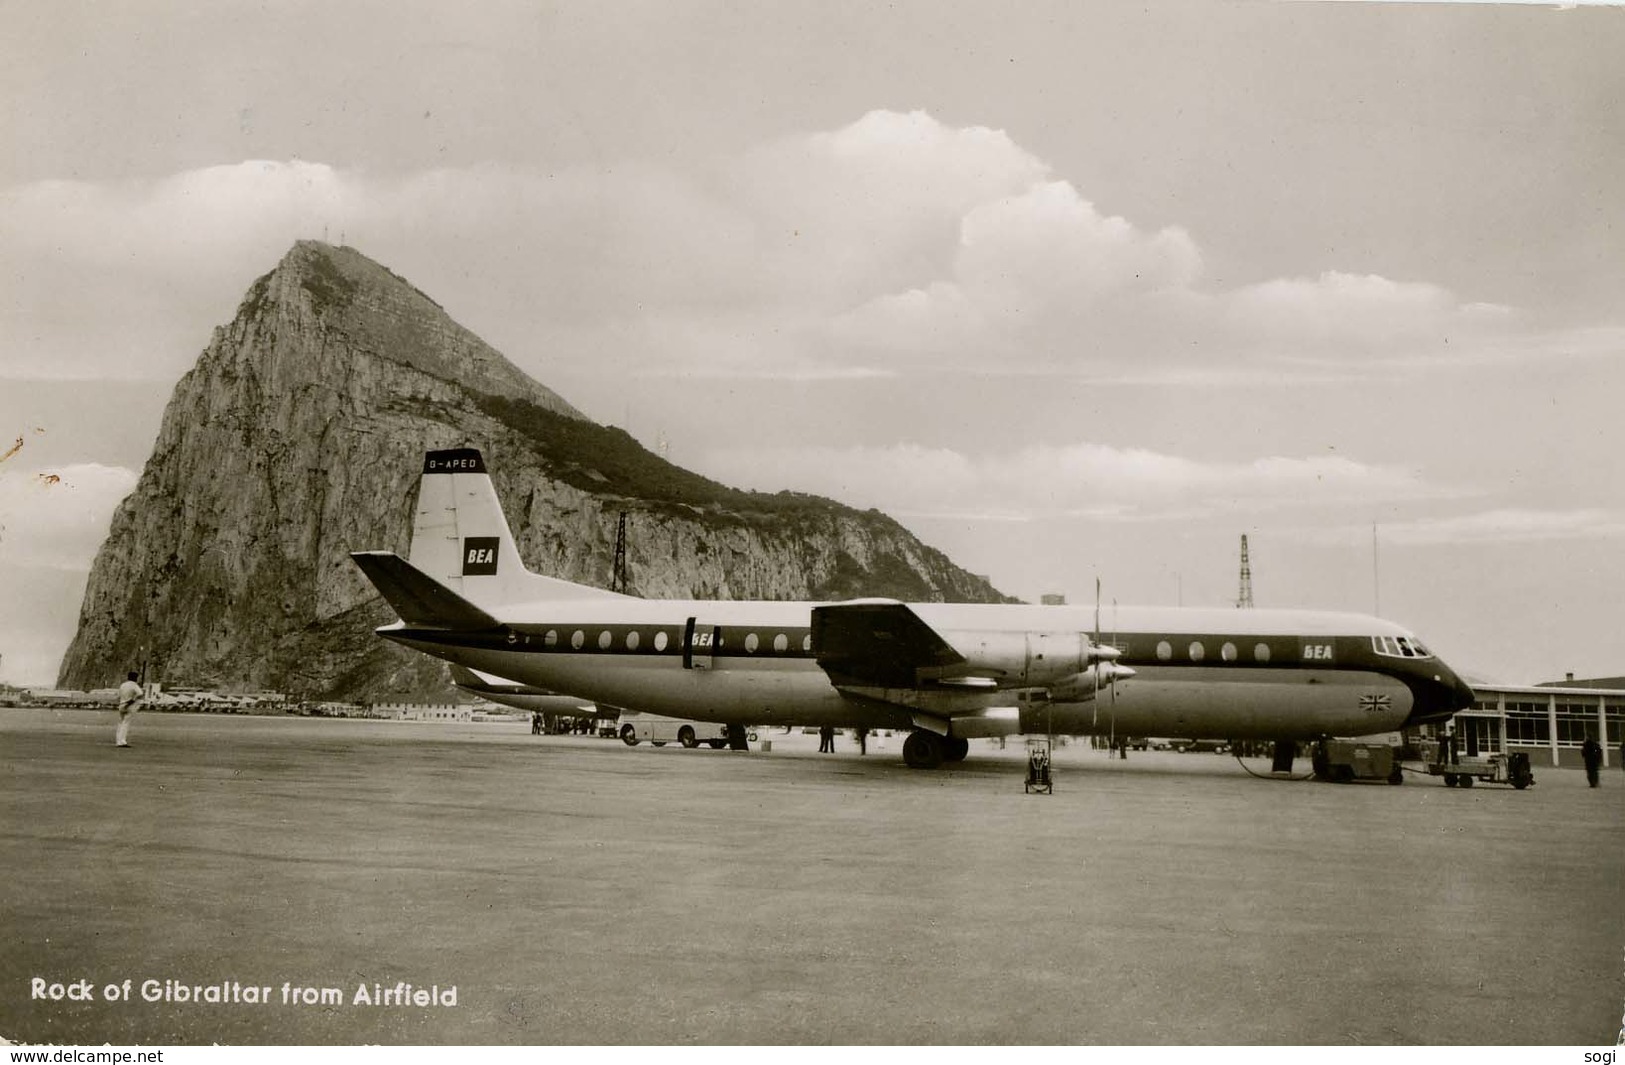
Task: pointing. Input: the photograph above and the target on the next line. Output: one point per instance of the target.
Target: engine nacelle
(1081, 687)
(1029, 659)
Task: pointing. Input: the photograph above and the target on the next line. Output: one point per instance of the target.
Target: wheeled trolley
(1038, 774)
(1460, 772)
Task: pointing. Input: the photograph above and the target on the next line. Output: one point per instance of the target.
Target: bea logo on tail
(480, 556)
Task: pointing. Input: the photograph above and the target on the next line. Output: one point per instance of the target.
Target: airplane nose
(1438, 698)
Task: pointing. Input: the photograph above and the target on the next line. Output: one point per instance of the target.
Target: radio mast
(617, 580)
(1246, 598)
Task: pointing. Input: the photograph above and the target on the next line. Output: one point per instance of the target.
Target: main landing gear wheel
(955, 748)
(923, 749)
(685, 736)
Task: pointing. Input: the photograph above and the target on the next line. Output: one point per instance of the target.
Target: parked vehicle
(1349, 760)
(659, 731)
(1215, 746)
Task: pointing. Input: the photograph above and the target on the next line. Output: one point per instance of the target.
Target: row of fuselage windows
(1196, 651)
(780, 643)
(635, 640)
(1312, 650)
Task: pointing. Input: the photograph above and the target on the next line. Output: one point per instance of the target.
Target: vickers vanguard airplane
(946, 673)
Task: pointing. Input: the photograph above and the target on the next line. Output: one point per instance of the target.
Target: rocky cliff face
(298, 437)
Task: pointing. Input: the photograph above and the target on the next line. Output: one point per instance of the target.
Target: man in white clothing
(130, 698)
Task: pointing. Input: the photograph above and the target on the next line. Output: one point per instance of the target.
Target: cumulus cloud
(1347, 314)
(845, 215)
(1049, 245)
(179, 222)
(1007, 268)
(1078, 480)
(125, 279)
(894, 244)
(56, 519)
(1028, 272)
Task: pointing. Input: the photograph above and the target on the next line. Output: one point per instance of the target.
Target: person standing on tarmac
(130, 699)
(1591, 752)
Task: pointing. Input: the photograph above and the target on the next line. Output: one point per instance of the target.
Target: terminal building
(424, 711)
(1548, 722)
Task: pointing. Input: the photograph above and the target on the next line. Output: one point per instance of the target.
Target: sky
(1077, 293)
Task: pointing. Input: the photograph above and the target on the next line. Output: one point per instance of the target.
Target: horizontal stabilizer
(880, 644)
(419, 599)
(489, 683)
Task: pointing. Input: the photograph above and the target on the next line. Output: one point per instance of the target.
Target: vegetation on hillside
(606, 460)
(327, 285)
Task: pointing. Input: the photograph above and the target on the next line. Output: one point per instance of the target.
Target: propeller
(1113, 684)
(1094, 638)
(1106, 671)
(1094, 641)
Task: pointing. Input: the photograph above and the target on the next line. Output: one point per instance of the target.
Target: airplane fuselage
(1198, 673)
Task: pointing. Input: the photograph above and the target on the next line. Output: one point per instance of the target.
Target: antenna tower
(1246, 598)
(617, 580)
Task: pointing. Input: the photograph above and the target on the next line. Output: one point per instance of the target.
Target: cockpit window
(1400, 647)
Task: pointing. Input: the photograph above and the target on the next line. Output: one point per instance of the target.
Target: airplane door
(699, 644)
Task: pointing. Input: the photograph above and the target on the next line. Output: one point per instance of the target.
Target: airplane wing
(883, 644)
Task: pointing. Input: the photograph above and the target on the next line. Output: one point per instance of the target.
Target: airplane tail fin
(460, 538)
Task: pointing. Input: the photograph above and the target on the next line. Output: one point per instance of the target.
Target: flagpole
(1376, 579)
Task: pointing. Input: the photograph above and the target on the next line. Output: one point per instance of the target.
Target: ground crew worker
(1591, 752)
(130, 699)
